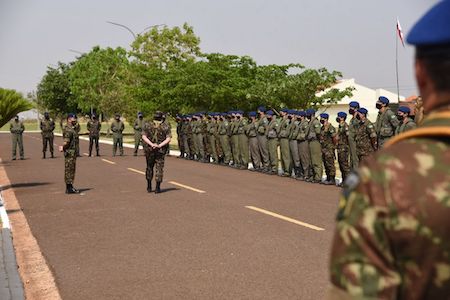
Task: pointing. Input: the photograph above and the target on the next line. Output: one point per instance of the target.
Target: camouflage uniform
(117, 128)
(252, 133)
(94, 127)
(293, 146)
(77, 128)
(343, 149)
(315, 149)
(137, 126)
(283, 137)
(47, 127)
(408, 125)
(235, 142)
(16, 128)
(211, 129)
(156, 133)
(262, 142)
(185, 138)
(303, 149)
(385, 126)
(393, 231)
(190, 138)
(352, 129)
(327, 142)
(225, 140)
(243, 143)
(272, 132)
(198, 140)
(365, 139)
(70, 146)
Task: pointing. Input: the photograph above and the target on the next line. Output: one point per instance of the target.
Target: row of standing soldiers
(306, 144)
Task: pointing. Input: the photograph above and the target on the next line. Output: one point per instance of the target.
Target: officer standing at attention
(16, 128)
(70, 153)
(272, 137)
(262, 138)
(211, 130)
(117, 128)
(47, 126)
(343, 148)
(94, 126)
(328, 141)
(156, 136)
(224, 138)
(386, 123)
(303, 147)
(293, 144)
(138, 125)
(283, 137)
(315, 150)
(393, 231)
(352, 129)
(406, 123)
(366, 137)
(252, 133)
(243, 140)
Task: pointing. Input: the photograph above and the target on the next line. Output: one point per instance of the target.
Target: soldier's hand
(60, 148)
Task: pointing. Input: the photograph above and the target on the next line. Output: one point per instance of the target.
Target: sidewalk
(11, 287)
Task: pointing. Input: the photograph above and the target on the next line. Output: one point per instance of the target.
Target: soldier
(366, 137)
(393, 231)
(252, 133)
(406, 123)
(262, 138)
(303, 147)
(315, 150)
(117, 128)
(243, 140)
(94, 126)
(157, 136)
(386, 122)
(77, 128)
(138, 126)
(184, 137)
(219, 150)
(293, 144)
(211, 130)
(223, 130)
(272, 132)
(69, 148)
(198, 138)
(328, 141)
(235, 140)
(352, 128)
(16, 128)
(283, 137)
(47, 126)
(343, 148)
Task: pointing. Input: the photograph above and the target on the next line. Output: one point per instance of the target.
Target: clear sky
(355, 37)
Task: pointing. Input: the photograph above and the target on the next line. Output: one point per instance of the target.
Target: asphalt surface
(116, 241)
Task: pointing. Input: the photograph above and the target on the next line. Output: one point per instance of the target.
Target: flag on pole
(400, 32)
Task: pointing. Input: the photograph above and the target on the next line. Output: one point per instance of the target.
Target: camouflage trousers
(235, 149)
(93, 140)
(305, 158)
(328, 158)
(186, 148)
(70, 161)
(181, 143)
(315, 151)
(155, 160)
(47, 140)
(243, 150)
(225, 144)
(212, 146)
(254, 152)
(343, 155)
(137, 141)
(117, 141)
(285, 156)
(17, 141)
(264, 150)
(273, 154)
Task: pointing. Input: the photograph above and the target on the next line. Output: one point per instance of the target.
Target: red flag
(400, 32)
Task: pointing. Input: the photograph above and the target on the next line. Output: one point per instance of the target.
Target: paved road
(116, 241)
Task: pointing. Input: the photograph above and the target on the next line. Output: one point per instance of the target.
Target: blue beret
(324, 115)
(363, 110)
(252, 114)
(301, 113)
(71, 115)
(285, 110)
(383, 100)
(342, 114)
(354, 104)
(292, 112)
(310, 111)
(269, 112)
(433, 28)
(140, 114)
(262, 108)
(404, 109)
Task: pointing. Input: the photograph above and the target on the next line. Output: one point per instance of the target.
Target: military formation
(292, 143)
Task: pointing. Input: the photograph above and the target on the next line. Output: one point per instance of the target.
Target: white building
(366, 97)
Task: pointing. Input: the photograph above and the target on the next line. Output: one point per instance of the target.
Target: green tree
(11, 103)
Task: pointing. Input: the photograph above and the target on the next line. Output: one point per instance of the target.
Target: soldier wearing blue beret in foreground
(392, 237)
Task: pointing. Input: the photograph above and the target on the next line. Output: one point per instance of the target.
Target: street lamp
(131, 31)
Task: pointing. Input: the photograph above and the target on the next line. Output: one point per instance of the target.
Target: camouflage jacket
(70, 137)
(273, 129)
(364, 134)
(386, 124)
(343, 135)
(211, 128)
(156, 133)
(94, 126)
(16, 127)
(353, 128)
(242, 125)
(47, 127)
(223, 127)
(302, 130)
(294, 129)
(138, 126)
(410, 124)
(262, 126)
(284, 128)
(251, 129)
(313, 131)
(327, 137)
(117, 128)
(392, 238)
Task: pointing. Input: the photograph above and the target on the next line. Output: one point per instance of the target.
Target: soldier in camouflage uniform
(406, 123)
(224, 137)
(328, 141)
(343, 148)
(252, 133)
(386, 123)
(47, 126)
(393, 231)
(219, 150)
(235, 140)
(117, 128)
(157, 136)
(69, 147)
(303, 147)
(262, 138)
(315, 150)
(283, 138)
(366, 137)
(184, 136)
(211, 131)
(243, 140)
(16, 128)
(94, 126)
(190, 136)
(352, 128)
(138, 126)
(293, 144)
(272, 132)
(198, 138)
(77, 128)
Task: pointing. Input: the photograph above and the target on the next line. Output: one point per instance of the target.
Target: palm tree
(11, 103)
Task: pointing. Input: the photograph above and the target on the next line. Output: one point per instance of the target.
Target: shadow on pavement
(22, 185)
(169, 189)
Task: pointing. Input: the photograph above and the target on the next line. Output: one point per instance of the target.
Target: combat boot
(71, 190)
(43, 155)
(331, 181)
(149, 186)
(52, 156)
(158, 187)
(98, 153)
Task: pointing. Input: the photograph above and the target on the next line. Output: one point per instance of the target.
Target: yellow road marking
(136, 171)
(187, 187)
(108, 161)
(284, 218)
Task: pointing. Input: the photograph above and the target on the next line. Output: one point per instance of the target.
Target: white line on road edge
(3, 214)
(187, 187)
(108, 161)
(136, 171)
(284, 218)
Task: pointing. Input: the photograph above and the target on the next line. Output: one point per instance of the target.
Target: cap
(301, 113)
(310, 111)
(433, 28)
(269, 112)
(285, 110)
(404, 110)
(117, 115)
(363, 110)
(354, 104)
(140, 114)
(261, 108)
(324, 116)
(71, 115)
(383, 100)
(342, 114)
(252, 114)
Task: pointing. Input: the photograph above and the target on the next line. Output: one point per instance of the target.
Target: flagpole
(396, 64)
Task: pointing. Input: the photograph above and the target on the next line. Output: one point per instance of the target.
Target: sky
(357, 38)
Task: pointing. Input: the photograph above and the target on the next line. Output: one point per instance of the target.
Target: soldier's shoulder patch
(370, 126)
(393, 116)
(332, 130)
(316, 125)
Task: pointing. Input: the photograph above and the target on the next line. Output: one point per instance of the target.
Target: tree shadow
(22, 185)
